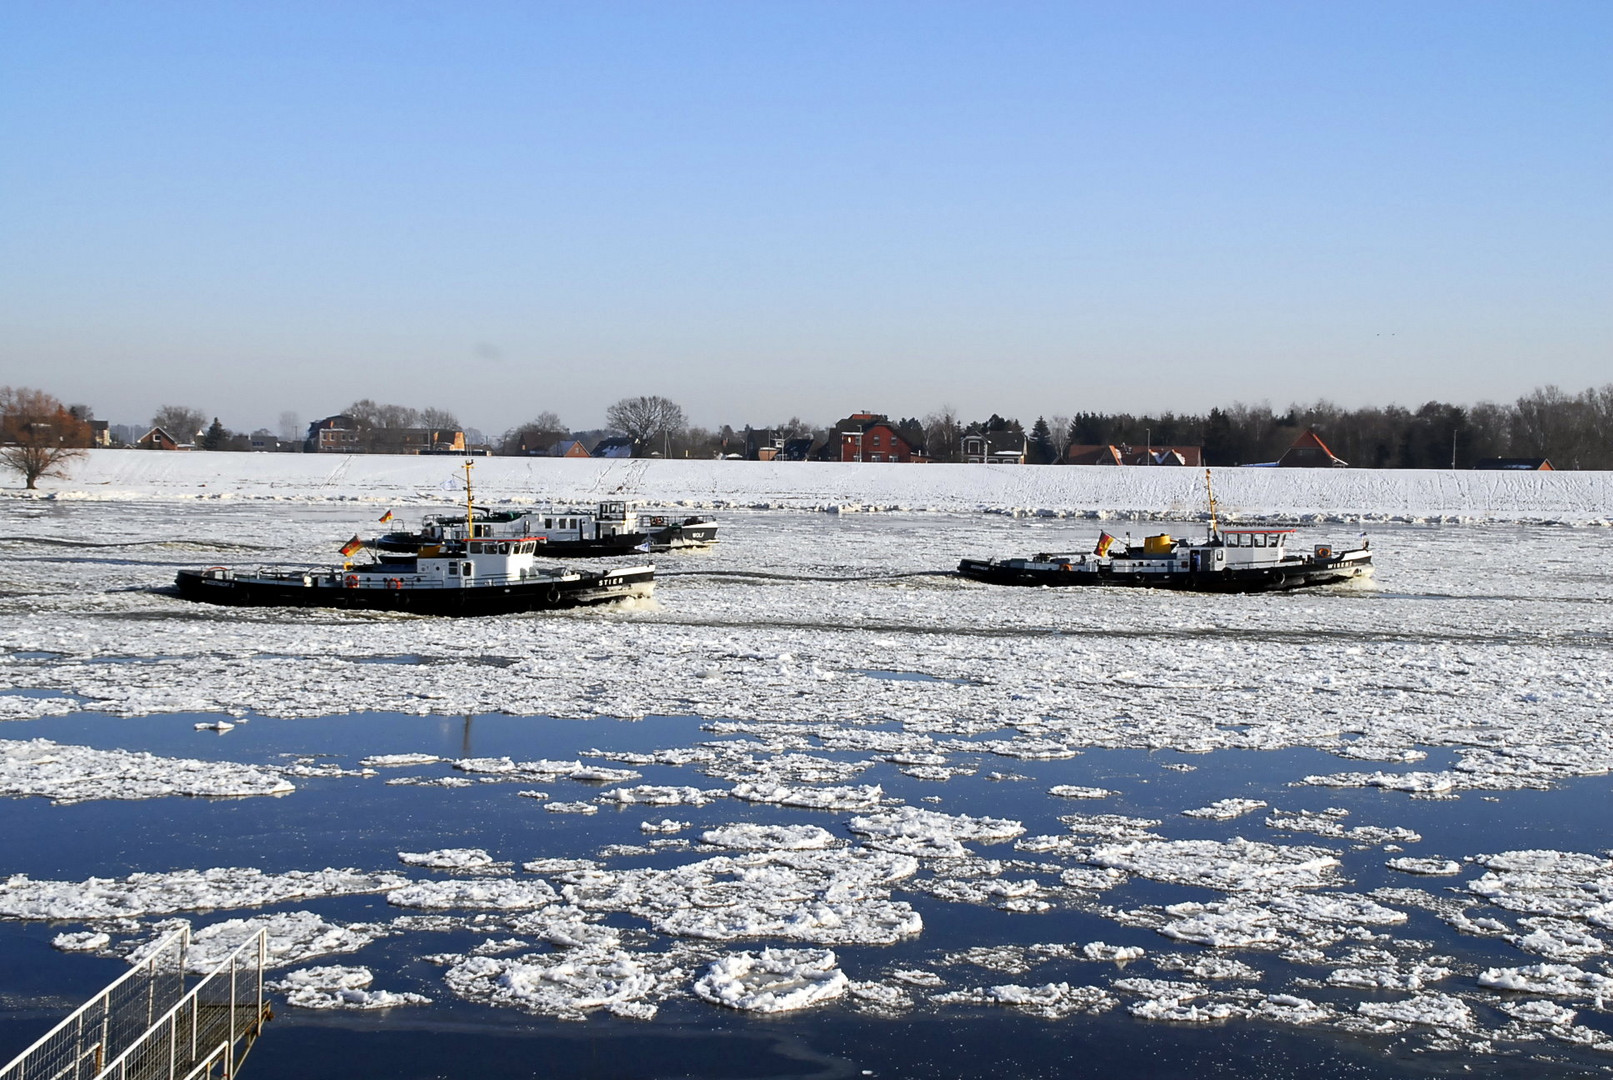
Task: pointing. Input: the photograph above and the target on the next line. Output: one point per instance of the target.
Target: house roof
(1309, 451)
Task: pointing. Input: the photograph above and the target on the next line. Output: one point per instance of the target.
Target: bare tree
(943, 434)
(439, 419)
(291, 429)
(181, 422)
(38, 437)
(651, 422)
(543, 430)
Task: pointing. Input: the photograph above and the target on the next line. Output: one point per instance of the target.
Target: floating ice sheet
(22, 897)
(76, 773)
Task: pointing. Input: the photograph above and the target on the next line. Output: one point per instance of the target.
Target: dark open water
(363, 823)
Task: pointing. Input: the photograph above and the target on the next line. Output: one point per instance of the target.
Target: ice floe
(855, 797)
(746, 837)
(567, 984)
(293, 937)
(136, 895)
(65, 774)
(1226, 809)
(337, 987)
(931, 833)
(503, 894)
(1230, 865)
(463, 859)
(773, 980)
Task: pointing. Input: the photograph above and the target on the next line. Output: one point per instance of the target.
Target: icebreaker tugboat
(609, 529)
(1225, 560)
(453, 575)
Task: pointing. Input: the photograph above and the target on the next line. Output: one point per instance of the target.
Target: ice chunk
(293, 937)
(855, 797)
(1229, 865)
(340, 988)
(773, 980)
(21, 897)
(567, 984)
(914, 831)
(1226, 809)
(1553, 980)
(393, 761)
(1433, 1010)
(744, 837)
(656, 795)
(64, 774)
(81, 941)
(495, 894)
(451, 859)
(1427, 867)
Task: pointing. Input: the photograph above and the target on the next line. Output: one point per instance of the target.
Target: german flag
(386, 517)
(1104, 541)
(352, 545)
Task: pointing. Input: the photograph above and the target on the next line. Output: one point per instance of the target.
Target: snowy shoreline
(1583, 498)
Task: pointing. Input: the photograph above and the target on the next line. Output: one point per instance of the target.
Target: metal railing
(146, 1026)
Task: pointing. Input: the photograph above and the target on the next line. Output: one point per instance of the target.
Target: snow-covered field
(881, 745)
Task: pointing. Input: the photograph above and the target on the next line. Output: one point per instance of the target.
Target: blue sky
(766, 209)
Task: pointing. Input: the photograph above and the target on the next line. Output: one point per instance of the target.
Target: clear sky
(770, 208)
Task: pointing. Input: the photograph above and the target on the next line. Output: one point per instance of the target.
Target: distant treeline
(1573, 431)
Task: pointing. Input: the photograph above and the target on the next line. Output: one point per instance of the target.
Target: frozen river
(822, 807)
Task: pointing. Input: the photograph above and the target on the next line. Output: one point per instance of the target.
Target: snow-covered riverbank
(1315, 494)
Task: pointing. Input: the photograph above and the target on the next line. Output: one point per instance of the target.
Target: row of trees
(1574, 430)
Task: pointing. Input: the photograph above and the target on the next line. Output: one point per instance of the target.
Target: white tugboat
(1225, 560)
(608, 529)
(451, 575)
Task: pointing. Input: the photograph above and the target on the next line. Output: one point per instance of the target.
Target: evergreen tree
(1040, 450)
(216, 437)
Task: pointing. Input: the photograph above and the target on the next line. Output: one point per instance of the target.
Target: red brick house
(872, 437)
(157, 439)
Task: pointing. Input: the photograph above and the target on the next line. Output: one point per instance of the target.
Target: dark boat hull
(690, 533)
(371, 590)
(1255, 579)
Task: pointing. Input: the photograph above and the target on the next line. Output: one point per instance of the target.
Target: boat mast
(470, 506)
(1209, 492)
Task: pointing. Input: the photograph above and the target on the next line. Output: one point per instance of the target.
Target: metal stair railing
(79, 1047)
(146, 1026)
(201, 1032)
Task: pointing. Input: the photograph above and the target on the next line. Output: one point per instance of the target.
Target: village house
(995, 447)
(1310, 452)
(333, 435)
(1125, 454)
(569, 448)
(158, 439)
(872, 437)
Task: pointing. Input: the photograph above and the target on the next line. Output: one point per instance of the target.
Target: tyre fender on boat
(553, 595)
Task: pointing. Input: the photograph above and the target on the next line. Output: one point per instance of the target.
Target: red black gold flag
(352, 545)
(386, 517)
(1104, 540)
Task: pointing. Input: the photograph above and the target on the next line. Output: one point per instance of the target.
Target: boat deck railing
(147, 1026)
